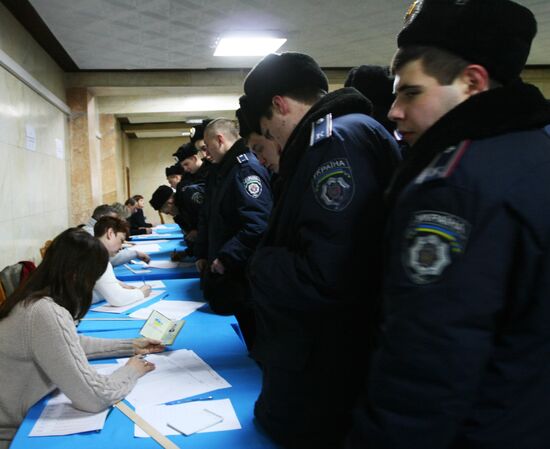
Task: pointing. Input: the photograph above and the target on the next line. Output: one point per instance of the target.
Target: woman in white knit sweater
(40, 348)
(112, 231)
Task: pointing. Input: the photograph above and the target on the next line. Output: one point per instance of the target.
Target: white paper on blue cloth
(177, 375)
(188, 416)
(175, 310)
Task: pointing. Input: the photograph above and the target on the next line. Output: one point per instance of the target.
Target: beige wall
(148, 159)
(33, 184)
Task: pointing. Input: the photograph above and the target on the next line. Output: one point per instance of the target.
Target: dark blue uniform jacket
(464, 360)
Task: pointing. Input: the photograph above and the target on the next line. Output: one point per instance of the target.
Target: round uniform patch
(253, 186)
(197, 198)
(432, 240)
(333, 184)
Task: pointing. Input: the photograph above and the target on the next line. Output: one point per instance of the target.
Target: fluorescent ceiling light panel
(248, 46)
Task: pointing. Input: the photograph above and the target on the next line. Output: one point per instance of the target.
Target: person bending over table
(111, 232)
(40, 348)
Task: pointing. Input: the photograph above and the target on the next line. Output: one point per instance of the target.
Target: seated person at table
(174, 174)
(126, 254)
(40, 348)
(111, 232)
(138, 225)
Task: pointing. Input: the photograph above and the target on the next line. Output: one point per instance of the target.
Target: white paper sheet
(152, 284)
(151, 248)
(59, 417)
(160, 226)
(121, 309)
(175, 310)
(145, 242)
(159, 415)
(178, 374)
(162, 264)
(144, 236)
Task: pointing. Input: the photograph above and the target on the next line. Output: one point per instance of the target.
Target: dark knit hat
(279, 74)
(160, 196)
(197, 132)
(174, 170)
(185, 151)
(247, 123)
(496, 34)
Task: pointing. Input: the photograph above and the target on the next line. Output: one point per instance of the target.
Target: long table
(214, 339)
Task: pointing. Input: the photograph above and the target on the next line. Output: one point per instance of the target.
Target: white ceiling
(182, 34)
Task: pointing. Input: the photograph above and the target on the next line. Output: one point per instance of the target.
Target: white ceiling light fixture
(248, 45)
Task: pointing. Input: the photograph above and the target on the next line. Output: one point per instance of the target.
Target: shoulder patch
(432, 241)
(444, 164)
(333, 184)
(321, 129)
(253, 186)
(242, 158)
(197, 198)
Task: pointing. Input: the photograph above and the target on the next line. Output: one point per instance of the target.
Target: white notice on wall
(59, 149)
(30, 138)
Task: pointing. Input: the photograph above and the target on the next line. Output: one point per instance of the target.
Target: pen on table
(165, 295)
(183, 401)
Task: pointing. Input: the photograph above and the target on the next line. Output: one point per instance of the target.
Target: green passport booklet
(160, 327)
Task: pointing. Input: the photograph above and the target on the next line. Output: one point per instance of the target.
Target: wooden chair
(47, 244)
(2, 294)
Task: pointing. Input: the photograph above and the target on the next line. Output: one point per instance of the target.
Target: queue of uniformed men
(394, 304)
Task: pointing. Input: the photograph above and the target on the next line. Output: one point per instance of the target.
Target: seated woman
(40, 348)
(112, 232)
(138, 225)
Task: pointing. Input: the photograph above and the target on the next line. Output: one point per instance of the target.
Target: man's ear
(476, 79)
(280, 105)
(110, 233)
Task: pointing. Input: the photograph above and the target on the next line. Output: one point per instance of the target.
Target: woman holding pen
(40, 348)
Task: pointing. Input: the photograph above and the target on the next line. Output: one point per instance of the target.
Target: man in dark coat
(321, 253)
(463, 360)
(236, 212)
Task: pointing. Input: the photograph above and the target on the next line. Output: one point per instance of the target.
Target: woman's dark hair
(137, 197)
(71, 266)
(106, 223)
(130, 202)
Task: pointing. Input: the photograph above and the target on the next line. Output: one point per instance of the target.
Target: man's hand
(217, 267)
(201, 265)
(143, 256)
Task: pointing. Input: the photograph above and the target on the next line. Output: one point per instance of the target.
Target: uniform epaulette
(444, 164)
(321, 129)
(242, 158)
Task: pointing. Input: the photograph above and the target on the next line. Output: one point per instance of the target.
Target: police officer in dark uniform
(464, 356)
(322, 247)
(236, 212)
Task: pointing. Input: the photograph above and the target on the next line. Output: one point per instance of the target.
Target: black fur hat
(496, 34)
(173, 170)
(279, 74)
(160, 196)
(185, 151)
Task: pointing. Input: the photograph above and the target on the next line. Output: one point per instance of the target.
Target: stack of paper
(174, 310)
(150, 248)
(178, 374)
(190, 417)
(152, 284)
(121, 309)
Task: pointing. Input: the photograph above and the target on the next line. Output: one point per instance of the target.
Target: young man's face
(267, 151)
(191, 164)
(113, 241)
(276, 128)
(215, 148)
(173, 180)
(169, 207)
(420, 100)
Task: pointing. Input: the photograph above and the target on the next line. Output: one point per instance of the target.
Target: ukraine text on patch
(333, 184)
(432, 241)
(253, 186)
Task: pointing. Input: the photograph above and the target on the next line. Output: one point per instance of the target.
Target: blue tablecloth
(213, 338)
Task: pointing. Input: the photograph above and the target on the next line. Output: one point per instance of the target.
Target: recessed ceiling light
(248, 46)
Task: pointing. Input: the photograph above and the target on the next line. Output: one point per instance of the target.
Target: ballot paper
(177, 375)
(121, 309)
(150, 248)
(183, 416)
(144, 236)
(160, 227)
(175, 310)
(59, 417)
(152, 284)
(160, 327)
(138, 245)
(162, 264)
